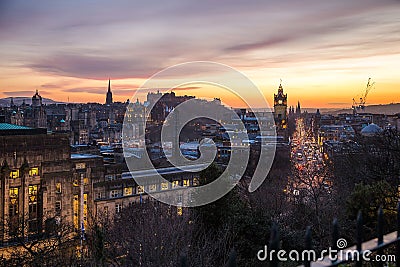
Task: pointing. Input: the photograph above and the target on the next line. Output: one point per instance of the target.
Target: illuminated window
(13, 207)
(196, 181)
(152, 187)
(85, 181)
(14, 174)
(75, 182)
(128, 191)
(76, 211)
(140, 189)
(186, 182)
(32, 191)
(58, 188)
(14, 192)
(85, 210)
(175, 184)
(34, 172)
(164, 186)
(179, 211)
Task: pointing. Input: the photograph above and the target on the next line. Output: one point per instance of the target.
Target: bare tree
(53, 247)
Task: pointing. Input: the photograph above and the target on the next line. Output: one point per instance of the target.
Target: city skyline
(324, 52)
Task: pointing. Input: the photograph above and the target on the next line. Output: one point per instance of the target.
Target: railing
(375, 245)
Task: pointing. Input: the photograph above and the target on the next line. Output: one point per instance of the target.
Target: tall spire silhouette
(109, 94)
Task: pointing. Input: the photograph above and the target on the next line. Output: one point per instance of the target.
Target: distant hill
(388, 109)
(4, 102)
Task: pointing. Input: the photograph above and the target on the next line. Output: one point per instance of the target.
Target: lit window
(32, 191)
(140, 189)
(75, 182)
(14, 192)
(179, 211)
(175, 184)
(186, 182)
(34, 172)
(152, 187)
(85, 209)
(196, 181)
(13, 195)
(14, 174)
(76, 210)
(85, 181)
(58, 188)
(164, 186)
(128, 191)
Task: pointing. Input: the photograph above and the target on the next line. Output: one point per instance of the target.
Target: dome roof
(371, 129)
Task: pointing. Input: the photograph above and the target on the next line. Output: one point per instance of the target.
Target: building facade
(34, 165)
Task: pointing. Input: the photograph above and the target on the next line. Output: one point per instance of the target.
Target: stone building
(43, 183)
(34, 165)
(163, 104)
(119, 190)
(33, 115)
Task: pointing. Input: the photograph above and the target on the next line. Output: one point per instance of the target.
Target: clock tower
(280, 107)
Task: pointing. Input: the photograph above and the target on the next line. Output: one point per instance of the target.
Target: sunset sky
(324, 51)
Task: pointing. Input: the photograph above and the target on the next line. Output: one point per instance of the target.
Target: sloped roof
(371, 129)
(7, 126)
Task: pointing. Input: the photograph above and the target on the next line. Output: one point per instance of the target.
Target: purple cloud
(89, 90)
(134, 39)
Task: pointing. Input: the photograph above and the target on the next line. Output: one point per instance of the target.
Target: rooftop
(371, 129)
(165, 171)
(7, 126)
(85, 156)
(7, 129)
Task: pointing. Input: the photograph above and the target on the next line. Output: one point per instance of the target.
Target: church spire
(109, 94)
(298, 108)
